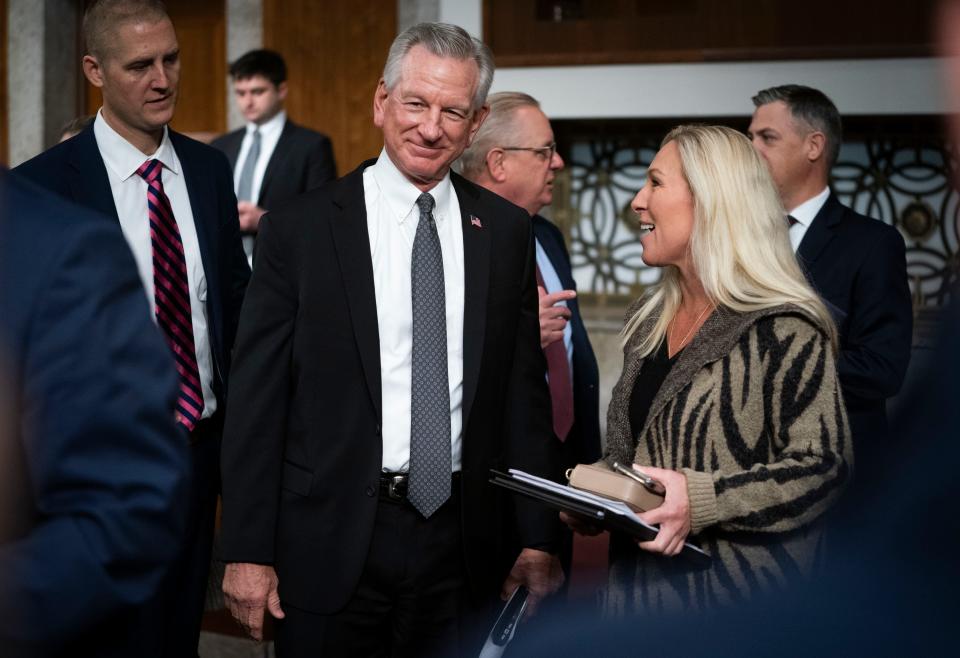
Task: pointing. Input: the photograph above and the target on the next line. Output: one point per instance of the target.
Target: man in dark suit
(273, 159)
(514, 155)
(173, 199)
(92, 467)
(387, 359)
(856, 263)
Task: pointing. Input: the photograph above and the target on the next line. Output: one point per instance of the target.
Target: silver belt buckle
(392, 487)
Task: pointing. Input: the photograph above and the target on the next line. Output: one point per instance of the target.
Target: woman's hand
(579, 525)
(673, 516)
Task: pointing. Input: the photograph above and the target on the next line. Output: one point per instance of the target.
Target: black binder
(594, 514)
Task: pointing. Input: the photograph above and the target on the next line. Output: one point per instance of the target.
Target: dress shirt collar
(807, 211)
(123, 158)
(401, 195)
(272, 127)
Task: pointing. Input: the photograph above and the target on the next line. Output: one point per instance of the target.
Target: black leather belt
(393, 486)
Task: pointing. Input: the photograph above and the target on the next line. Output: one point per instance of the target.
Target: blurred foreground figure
(173, 199)
(92, 466)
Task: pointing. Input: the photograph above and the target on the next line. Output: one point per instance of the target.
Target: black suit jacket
(93, 471)
(583, 444)
(858, 264)
(75, 170)
(302, 160)
(302, 453)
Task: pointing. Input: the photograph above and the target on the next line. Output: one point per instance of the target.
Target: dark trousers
(180, 605)
(411, 599)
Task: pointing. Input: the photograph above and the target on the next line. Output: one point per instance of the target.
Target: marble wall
(42, 76)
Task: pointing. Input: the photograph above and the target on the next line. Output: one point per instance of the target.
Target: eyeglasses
(545, 152)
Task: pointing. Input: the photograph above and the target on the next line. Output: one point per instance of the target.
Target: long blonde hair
(739, 245)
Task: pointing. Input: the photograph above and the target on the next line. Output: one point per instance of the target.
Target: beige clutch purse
(639, 496)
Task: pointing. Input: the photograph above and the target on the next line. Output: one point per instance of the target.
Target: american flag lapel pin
(475, 221)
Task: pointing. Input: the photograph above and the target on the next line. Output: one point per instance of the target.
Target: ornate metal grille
(899, 175)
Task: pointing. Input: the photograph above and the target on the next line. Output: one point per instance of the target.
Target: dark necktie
(430, 467)
(171, 292)
(561, 385)
(791, 220)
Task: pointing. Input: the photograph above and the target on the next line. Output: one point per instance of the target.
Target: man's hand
(553, 319)
(250, 214)
(539, 571)
(673, 515)
(580, 525)
(249, 591)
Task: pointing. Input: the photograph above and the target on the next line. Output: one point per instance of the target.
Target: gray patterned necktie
(245, 186)
(430, 467)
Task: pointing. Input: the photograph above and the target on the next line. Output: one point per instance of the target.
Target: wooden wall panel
(335, 52)
(570, 32)
(4, 111)
(201, 32)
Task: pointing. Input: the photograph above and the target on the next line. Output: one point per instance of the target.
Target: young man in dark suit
(273, 159)
(857, 264)
(388, 357)
(514, 155)
(93, 470)
(174, 201)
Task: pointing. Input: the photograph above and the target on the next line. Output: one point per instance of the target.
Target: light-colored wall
(465, 13)
(244, 33)
(25, 74)
(41, 73)
(876, 86)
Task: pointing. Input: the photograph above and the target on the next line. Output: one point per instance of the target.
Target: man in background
(173, 199)
(857, 264)
(514, 155)
(273, 159)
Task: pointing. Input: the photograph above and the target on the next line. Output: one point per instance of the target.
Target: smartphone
(651, 485)
(506, 624)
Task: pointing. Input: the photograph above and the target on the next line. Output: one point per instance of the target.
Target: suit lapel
(554, 251)
(280, 152)
(820, 233)
(206, 218)
(352, 242)
(233, 143)
(476, 270)
(89, 184)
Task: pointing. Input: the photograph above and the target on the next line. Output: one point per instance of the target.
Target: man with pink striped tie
(173, 198)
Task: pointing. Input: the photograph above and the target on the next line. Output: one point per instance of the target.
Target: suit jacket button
(371, 492)
(378, 430)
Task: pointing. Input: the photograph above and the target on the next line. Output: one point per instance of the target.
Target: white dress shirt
(122, 159)
(805, 213)
(552, 283)
(269, 136)
(392, 218)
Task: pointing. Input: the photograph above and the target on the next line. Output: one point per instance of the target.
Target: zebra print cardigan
(751, 413)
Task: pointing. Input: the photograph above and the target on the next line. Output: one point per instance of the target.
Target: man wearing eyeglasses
(515, 156)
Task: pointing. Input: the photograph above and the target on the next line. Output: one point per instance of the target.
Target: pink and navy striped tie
(171, 292)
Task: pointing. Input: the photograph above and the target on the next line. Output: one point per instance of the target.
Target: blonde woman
(729, 392)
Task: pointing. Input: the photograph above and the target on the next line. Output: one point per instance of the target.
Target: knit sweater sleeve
(803, 458)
